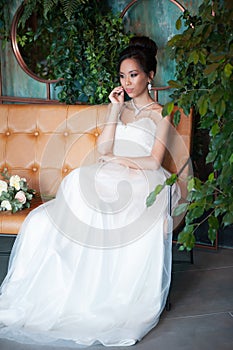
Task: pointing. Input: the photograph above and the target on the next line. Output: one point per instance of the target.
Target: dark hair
(143, 50)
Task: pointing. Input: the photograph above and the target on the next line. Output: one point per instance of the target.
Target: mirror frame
(16, 50)
(181, 7)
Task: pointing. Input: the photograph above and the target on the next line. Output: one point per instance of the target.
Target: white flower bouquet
(14, 193)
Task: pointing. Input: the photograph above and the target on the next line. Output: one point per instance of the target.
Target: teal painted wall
(15, 82)
(155, 18)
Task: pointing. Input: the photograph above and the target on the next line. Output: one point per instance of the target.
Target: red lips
(129, 91)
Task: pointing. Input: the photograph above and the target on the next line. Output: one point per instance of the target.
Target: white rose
(6, 204)
(3, 186)
(14, 182)
(21, 197)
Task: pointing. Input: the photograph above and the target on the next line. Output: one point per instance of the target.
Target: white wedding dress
(93, 265)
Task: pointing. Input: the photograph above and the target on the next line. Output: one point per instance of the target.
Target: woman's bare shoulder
(156, 112)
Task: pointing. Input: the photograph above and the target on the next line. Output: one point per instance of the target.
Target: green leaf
(220, 108)
(211, 156)
(167, 109)
(193, 57)
(228, 219)
(212, 234)
(176, 117)
(158, 189)
(202, 58)
(213, 222)
(152, 196)
(186, 237)
(211, 177)
(171, 180)
(170, 107)
(212, 77)
(175, 84)
(216, 94)
(231, 158)
(195, 213)
(14, 209)
(214, 57)
(214, 130)
(178, 23)
(191, 184)
(180, 209)
(203, 105)
(228, 70)
(211, 68)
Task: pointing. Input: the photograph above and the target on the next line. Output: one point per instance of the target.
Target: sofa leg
(168, 304)
(191, 257)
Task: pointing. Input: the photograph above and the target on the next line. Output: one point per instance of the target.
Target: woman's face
(133, 79)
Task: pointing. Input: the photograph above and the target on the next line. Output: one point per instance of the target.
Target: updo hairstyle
(143, 50)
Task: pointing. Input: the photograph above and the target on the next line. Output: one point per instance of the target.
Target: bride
(93, 265)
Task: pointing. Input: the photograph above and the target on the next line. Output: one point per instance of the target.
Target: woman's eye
(121, 76)
(133, 75)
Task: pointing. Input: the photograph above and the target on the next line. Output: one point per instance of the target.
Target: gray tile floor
(201, 315)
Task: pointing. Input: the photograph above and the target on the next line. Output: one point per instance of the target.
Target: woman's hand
(111, 158)
(107, 158)
(138, 163)
(117, 95)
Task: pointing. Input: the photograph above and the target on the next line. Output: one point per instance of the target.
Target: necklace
(138, 110)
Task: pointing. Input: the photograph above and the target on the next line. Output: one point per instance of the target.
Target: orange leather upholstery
(179, 149)
(43, 143)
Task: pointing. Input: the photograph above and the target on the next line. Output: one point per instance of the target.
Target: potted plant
(204, 82)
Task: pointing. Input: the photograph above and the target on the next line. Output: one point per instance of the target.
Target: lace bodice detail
(134, 139)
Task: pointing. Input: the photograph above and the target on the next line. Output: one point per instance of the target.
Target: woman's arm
(106, 139)
(155, 159)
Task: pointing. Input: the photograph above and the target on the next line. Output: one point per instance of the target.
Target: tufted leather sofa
(43, 143)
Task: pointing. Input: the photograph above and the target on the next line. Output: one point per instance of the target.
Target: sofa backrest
(43, 143)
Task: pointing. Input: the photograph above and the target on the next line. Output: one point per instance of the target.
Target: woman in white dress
(94, 264)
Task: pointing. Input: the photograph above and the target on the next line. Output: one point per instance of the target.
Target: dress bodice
(134, 139)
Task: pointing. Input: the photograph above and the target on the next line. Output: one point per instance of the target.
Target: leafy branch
(204, 82)
(74, 41)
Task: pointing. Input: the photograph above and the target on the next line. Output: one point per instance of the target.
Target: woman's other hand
(106, 158)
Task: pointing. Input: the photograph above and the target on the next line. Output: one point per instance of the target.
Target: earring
(149, 86)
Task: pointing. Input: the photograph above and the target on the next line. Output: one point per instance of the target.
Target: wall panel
(154, 18)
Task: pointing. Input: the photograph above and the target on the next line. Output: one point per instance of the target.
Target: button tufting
(66, 134)
(8, 133)
(36, 133)
(65, 170)
(34, 169)
(96, 134)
